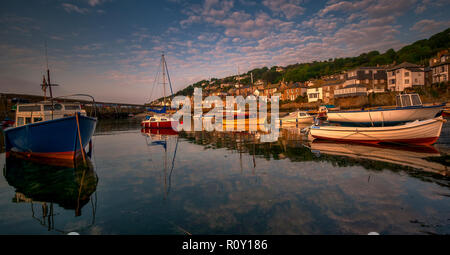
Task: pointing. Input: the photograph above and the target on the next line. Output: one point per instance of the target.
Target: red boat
(160, 121)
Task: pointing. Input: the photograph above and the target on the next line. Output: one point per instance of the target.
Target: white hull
(297, 120)
(386, 116)
(417, 132)
(297, 117)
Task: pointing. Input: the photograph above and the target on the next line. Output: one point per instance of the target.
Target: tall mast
(164, 77)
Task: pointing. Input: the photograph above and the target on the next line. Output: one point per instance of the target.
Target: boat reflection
(425, 158)
(162, 137)
(39, 183)
(292, 144)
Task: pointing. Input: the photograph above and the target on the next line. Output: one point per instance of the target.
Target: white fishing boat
(424, 132)
(297, 117)
(409, 108)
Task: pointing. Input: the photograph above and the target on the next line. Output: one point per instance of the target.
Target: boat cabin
(406, 100)
(43, 111)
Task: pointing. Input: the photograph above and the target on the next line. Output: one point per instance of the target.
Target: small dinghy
(297, 117)
(423, 132)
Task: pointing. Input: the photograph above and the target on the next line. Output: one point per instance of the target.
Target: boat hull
(297, 120)
(384, 117)
(419, 132)
(160, 124)
(51, 139)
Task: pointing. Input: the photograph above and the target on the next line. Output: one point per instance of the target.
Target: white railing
(350, 91)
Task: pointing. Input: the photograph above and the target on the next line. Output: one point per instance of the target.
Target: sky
(111, 49)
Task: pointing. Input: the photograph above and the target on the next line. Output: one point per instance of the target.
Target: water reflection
(44, 184)
(163, 182)
(294, 145)
(162, 138)
(426, 158)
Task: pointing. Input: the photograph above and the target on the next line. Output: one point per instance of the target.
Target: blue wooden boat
(60, 138)
(50, 129)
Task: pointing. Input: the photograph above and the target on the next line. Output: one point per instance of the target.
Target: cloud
(288, 8)
(69, 8)
(429, 26)
(94, 3)
(370, 8)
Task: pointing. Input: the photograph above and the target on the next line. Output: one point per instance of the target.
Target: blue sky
(111, 48)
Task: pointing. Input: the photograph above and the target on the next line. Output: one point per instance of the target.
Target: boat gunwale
(390, 109)
(47, 121)
(381, 129)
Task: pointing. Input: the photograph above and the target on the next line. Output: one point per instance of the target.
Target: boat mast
(164, 78)
(48, 78)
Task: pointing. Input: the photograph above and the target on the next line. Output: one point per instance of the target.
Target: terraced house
(405, 75)
(293, 91)
(440, 66)
(374, 78)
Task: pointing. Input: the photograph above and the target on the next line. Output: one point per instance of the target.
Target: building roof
(332, 84)
(354, 86)
(406, 65)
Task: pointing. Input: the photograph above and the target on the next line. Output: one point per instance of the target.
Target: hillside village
(422, 67)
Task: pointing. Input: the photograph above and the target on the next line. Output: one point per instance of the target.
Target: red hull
(161, 124)
(159, 131)
(418, 141)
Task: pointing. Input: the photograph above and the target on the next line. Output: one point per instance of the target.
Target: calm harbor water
(142, 182)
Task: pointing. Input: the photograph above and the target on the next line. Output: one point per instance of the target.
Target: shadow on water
(69, 186)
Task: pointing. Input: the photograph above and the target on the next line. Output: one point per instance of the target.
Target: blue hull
(52, 139)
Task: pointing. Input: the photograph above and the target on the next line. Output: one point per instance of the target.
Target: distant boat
(161, 119)
(424, 132)
(409, 108)
(50, 129)
(297, 117)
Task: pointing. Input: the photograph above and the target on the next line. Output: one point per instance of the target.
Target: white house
(314, 94)
(404, 76)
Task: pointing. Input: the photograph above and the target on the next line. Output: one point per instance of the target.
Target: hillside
(418, 52)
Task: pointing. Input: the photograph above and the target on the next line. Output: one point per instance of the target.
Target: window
(37, 119)
(20, 121)
(393, 73)
(406, 74)
(406, 81)
(27, 120)
(392, 81)
(406, 100)
(416, 81)
(152, 119)
(416, 100)
(57, 106)
(72, 107)
(30, 108)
